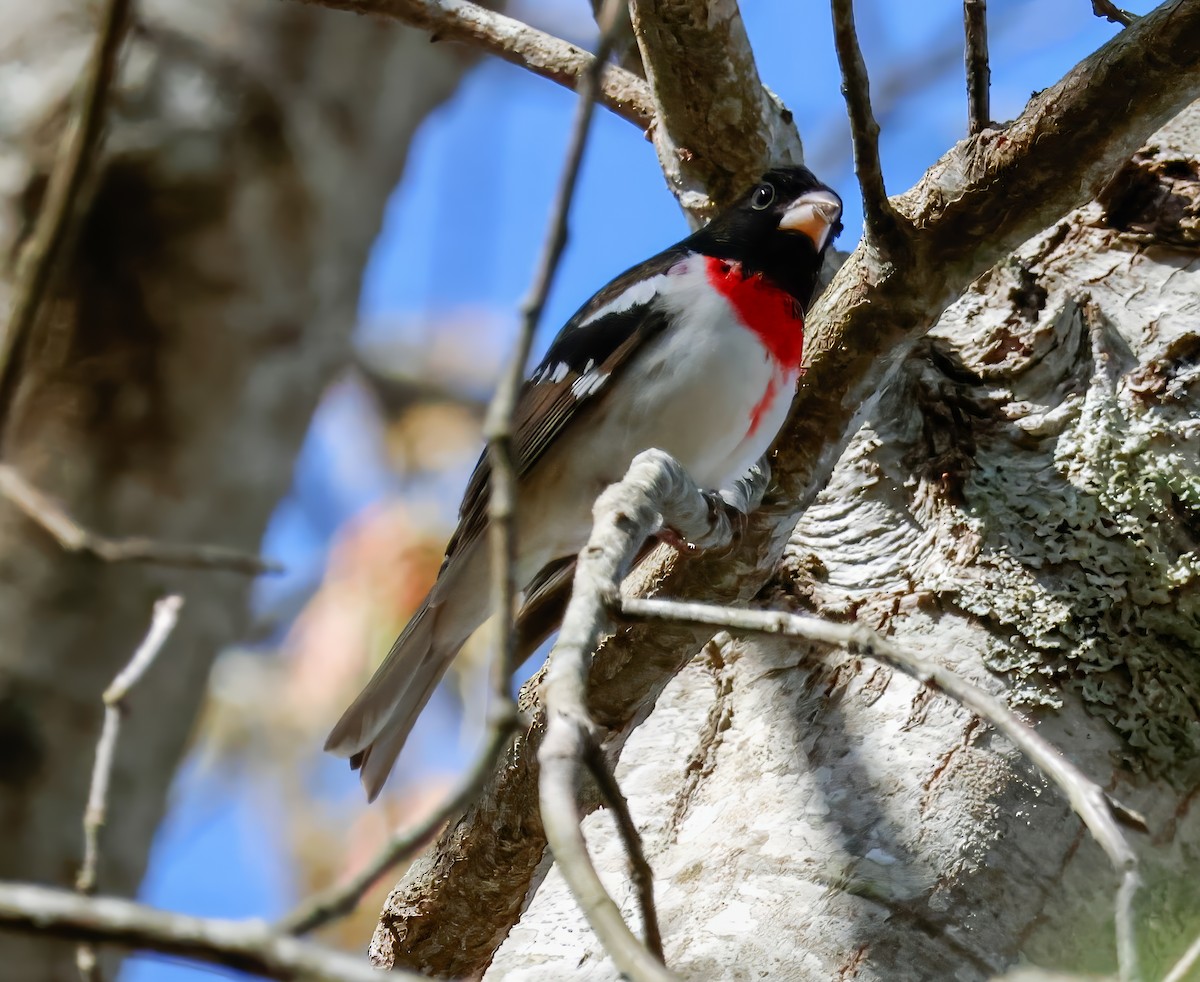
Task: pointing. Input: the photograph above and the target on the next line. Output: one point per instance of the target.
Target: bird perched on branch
(696, 352)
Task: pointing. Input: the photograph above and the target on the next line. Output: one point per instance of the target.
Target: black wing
(576, 375)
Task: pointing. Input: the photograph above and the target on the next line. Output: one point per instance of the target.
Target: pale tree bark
(983, 199)
(205, 299)
(1021, 501)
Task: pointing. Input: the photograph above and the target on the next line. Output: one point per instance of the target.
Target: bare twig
(502, 517)
(40, 254)
(341, 900)
(881, 224)
(1128, 969)
(501, 513)
(980, 201)
(250, 946)
(639, 867)
(1087, 798)
(498, 426)
(74, 538)
(1181, 970)
(1112, 13)
(543, 54)
(624, 516)
(979, 75)
(166, 614)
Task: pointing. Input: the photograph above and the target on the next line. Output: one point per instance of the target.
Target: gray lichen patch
(1082, 555)
(1036, 464)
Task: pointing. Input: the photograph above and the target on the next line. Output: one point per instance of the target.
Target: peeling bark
(206, 300)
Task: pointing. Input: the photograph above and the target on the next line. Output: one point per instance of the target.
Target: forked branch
(654, 489)
(979, 202)
(73, 537)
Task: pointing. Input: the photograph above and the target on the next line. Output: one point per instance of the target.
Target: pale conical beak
(815, 214)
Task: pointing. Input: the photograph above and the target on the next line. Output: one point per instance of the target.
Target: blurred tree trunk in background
(1022, 501)
(206, 299)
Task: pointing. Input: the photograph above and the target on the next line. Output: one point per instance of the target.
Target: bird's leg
(729, 511)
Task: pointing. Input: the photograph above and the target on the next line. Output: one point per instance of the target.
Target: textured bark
(1038, 169)
(206, 300)
(718, 127)
(1021, 499)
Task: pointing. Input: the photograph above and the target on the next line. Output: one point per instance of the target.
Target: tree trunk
(1021, 501)
(205, 300)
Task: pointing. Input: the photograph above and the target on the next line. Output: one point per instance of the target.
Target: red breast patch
(767, 310)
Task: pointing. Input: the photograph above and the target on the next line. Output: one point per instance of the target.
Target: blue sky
(462, 231)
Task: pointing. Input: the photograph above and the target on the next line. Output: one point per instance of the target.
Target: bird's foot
(672, 538)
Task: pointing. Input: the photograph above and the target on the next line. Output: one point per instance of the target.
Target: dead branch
(979, 75)
(881, 225)
(339, 901)
(717, 127)
(980, 201)
(37, 260)
(1112, 13)
(166, 615)
(517, 43)
(561, 822)
(75, 538)
(498, 426)
(640, 870)
(654, 491)
(1181, 970)
(249, 946)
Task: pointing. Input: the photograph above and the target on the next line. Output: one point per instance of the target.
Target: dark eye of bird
(764, 194)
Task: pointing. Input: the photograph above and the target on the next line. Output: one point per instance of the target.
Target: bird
(696, 352)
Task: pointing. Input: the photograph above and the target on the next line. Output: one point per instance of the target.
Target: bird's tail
(373, 730)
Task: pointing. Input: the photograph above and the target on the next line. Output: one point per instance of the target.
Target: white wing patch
(641, 292)
(552, 373)
(585, 385)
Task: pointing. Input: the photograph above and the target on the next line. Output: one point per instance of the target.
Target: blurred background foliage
(377, 483)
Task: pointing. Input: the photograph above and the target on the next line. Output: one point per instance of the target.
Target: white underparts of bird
(695, 352)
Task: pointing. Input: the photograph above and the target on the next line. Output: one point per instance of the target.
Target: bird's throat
(762, 307)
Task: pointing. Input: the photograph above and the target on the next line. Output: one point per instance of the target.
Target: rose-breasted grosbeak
(696, 352)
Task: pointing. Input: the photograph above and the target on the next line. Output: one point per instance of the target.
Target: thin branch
(166, 615)
(1087, 798)
(979, 75)
(341, 900)
(1181, 970)
(250, 946)
(75, 538)
(881, 223)
(979, 202)
(624, 516)
(1128, 969)
(1112, 13)
(498, 426)
(67, 177)
(543, 54)
(639, 867)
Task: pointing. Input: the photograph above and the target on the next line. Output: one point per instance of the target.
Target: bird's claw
(672, 538)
